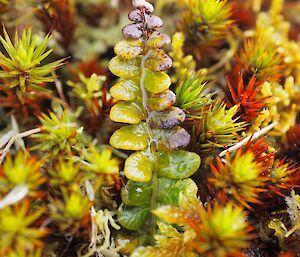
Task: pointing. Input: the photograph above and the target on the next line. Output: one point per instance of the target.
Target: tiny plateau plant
(21, 69)
(145, 102)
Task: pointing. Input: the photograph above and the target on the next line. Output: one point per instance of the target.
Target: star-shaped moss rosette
(215, 126)
(261, 58)
(59, 133)
(23, 170)
(21, 67)
(17, 230)
(205, 23)
(245, 97)
(239, 179)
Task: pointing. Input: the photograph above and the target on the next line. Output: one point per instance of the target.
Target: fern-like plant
(145, 102)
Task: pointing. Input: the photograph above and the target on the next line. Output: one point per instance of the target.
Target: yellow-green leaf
(127, 90)
(161, 102)
(131, 137)
(157, 82)
(129, 48)
(127, 112)
(138, 167)
(125, 68)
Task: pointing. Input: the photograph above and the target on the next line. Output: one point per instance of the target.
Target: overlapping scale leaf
(132, 137)
(132, 218)
(171, 139)
(158, 40)
(125, 68)
(128, 49)
(166, 119)
(161, 102)
(178, 164)
(126, 89)
(156, 82)
(131, 112)
(158, 61)
(138, 167)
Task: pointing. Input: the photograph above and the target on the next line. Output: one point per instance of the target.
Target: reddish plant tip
(245, 97)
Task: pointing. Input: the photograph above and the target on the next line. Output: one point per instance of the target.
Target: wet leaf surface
(132, 218)
(131, 137)
(138, 167)
(178, 164)
(136, 193)
(127, 112)
(169, 190)
(125, 68)
(126, 89)
(157, 82)
(161, 102)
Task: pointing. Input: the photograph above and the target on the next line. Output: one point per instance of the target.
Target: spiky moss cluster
(18, 233)
(77, 171)
(215, 126)
(23, 170)
(145, 102)
(91, 92)
(217, 231)
(21, 69)
(60, 133)
(238, 179)
(260, 57)
(206, 22)
(252, 175)
(21, 177)
(245, 98)
(190, 93)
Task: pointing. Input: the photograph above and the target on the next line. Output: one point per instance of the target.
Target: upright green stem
(152, 143)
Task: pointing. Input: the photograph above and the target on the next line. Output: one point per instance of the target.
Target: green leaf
(136, 193)
(138, 167)
(178, 164)
(132, 218)
(132, 137)
(169, 190)
(156, 82)
(127, 112)
(128, 48)
(125, 68)
(127, 90)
